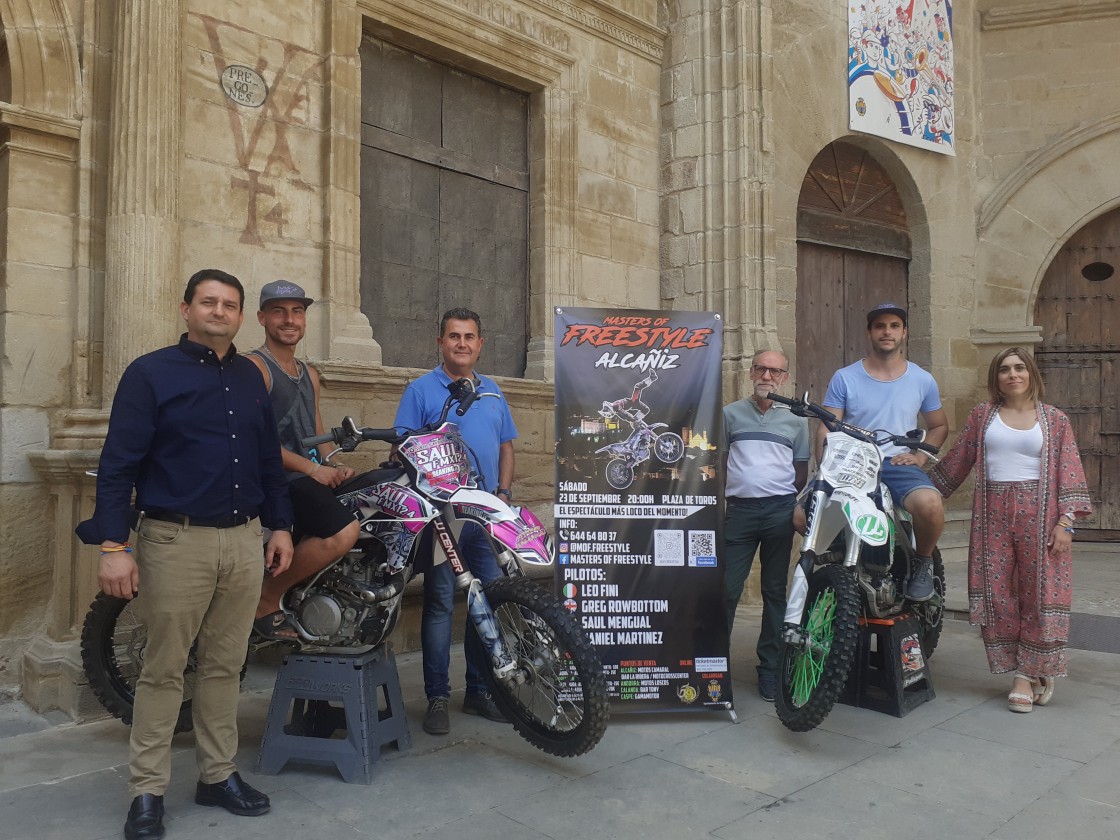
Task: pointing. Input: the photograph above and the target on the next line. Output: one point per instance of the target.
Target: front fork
(478, 605)
(792, 631)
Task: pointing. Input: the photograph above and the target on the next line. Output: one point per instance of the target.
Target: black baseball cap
(886, 309)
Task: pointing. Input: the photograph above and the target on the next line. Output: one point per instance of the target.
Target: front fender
(512, 526)
(864, 517)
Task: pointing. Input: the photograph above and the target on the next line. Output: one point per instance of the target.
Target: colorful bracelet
(125, 547)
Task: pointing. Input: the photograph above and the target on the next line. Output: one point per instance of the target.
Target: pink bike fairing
(440, 459)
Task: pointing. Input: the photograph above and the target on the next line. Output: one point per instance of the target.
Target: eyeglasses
(759, 370)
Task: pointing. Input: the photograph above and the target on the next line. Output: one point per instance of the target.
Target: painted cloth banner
(900, 71)
(637, 508)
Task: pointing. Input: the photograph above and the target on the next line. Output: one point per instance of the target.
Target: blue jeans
(439, 601)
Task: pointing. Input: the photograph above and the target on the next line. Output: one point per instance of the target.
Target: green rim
(808, 665)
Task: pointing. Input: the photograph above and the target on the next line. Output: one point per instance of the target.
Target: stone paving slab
(960, 766)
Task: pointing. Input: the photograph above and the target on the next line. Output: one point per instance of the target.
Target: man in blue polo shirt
(488, 430)
(766, 464)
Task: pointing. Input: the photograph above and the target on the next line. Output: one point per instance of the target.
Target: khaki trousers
(195, 583)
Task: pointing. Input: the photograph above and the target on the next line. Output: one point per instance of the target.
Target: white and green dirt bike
(855, 563)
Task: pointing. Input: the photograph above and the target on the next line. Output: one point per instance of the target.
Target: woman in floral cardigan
(1030, 487)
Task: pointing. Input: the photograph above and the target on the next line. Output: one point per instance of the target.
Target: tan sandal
(1043, 690)
(1019, 702)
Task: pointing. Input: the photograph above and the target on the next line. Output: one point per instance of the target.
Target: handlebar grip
(315, 440)
(929, 447)
(387, 435)
(778, 398)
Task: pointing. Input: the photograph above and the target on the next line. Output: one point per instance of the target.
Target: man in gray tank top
(328, 529)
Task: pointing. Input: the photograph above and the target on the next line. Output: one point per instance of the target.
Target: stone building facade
(667, 146)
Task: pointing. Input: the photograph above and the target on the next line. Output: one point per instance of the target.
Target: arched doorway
(853, 251)
(1078, 310)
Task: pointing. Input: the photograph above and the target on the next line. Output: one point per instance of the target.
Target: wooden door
(1078, 310)
(835, 289)
(444, 207)
(853, 252)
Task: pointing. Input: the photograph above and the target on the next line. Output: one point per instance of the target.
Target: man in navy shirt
(192, 431)
(488, 429)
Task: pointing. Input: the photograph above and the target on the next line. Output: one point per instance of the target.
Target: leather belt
(752, 501)
(187, 521)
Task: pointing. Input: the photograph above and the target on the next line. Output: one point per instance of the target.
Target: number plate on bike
(440, 459)
(851, 463)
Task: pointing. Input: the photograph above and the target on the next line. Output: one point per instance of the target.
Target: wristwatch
(504, 491)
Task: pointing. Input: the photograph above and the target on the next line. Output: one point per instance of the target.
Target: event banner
(638, 410)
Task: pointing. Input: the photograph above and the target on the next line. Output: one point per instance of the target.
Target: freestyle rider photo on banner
(638, 407)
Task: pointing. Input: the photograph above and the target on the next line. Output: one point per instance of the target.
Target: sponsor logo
(715, 690)
(710, 663)
(701, 561)
(687, 694)
(530, 534)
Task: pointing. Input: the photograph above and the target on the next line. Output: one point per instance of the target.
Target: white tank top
(1013, 454)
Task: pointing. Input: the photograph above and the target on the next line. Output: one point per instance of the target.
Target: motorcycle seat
(379, 476)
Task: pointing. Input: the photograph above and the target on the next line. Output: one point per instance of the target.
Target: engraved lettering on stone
(244, 85)
(516, 20)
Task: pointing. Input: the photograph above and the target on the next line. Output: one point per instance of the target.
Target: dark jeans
(765, 525)
(439, 601)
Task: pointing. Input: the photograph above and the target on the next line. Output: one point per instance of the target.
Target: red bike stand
(890, 673)
(303, 717)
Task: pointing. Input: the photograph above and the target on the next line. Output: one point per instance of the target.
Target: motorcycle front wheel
(558, 699)
(811, 676)
(619, 474)
(669, 447)
(113, 643)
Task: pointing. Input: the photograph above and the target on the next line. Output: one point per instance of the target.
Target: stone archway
(42, 58)
(1038, 231)
(853, 251)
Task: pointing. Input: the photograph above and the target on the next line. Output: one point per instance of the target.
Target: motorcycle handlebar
(803, 407)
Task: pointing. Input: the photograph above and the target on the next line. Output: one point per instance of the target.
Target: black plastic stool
(307, 686)
(890, 674)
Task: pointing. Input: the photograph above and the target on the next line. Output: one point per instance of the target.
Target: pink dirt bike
(544, 673)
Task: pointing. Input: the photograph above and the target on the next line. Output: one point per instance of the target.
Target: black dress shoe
(235, 795)
(145, 818)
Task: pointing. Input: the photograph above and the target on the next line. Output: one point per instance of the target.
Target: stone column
(350, 337)
(142, 237)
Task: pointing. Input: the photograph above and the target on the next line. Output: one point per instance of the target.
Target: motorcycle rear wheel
(113, 643)
(810, 680)
(562, 707)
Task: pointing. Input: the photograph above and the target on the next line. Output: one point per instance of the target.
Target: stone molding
(369, 381)
(47, 125)
(617, 25)
(1066, 143)
(1006, 336)
(1047, 14)
(42, 56)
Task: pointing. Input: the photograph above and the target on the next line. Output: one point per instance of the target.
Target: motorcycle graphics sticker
(440, 460)
(638, 411)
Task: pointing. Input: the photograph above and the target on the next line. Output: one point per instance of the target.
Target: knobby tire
(811, 681)
(563, 706)
(113, 643)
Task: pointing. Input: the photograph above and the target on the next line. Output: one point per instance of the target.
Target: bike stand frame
(307, 686)
(890, 673)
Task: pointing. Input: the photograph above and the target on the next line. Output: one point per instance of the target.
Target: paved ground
(960, 766)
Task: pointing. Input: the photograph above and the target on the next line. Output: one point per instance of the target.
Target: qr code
(668, 548)
(701, 548)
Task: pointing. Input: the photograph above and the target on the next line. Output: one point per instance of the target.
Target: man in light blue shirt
(885, 391)
(488, 430)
